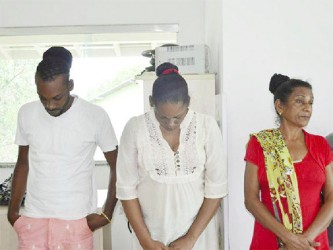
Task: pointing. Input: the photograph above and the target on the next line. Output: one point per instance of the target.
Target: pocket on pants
(31, 232)
(85, 222)
(18, 224)
(80, 235)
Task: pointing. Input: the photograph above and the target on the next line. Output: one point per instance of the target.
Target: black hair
(169, 86)
(281, 86)
(50, 67)
(61, 52)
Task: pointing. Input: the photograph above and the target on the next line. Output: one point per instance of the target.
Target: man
(57, 138)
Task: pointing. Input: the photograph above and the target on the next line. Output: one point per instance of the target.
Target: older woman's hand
(299, 242)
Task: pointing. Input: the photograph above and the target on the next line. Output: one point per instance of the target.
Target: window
(103, 70)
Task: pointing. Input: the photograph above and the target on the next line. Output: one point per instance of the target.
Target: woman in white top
(171, 174)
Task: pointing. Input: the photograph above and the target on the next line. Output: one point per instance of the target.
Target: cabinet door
(201, 90)
(8, 237)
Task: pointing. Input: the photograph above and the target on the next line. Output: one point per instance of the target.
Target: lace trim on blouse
(166, 163)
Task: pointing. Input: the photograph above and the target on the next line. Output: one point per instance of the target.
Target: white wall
(35, 13)
(213, 27)
(259, 39)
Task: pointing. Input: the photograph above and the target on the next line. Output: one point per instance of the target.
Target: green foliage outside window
(16, 88)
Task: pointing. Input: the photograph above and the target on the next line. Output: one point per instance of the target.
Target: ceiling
(13, 47)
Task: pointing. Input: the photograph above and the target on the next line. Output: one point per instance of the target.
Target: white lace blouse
(171, 185)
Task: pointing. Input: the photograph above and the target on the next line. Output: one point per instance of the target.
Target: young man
(57, 138)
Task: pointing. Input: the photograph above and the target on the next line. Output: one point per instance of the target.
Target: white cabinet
(121, 237)
(201, 90)
(8, 238)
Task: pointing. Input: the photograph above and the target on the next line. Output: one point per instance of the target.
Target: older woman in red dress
(289, 175)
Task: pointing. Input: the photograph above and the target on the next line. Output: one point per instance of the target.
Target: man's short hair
(61, 52)
(50, 67)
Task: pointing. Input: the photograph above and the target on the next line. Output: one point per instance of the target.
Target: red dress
(311, 178)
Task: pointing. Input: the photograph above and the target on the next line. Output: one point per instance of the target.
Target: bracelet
(106, 217)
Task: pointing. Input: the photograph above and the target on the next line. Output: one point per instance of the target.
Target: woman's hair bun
(276, 81)
(166, 67)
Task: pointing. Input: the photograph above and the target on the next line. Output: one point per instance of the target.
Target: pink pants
(51, 234)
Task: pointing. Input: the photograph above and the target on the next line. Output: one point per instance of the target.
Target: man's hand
(12, 218)
(96, 221)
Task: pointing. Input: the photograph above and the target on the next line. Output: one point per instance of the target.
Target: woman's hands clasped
(299, 242)
(185, 242)
(154, 245)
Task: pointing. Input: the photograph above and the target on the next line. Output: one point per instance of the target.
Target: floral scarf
(282, 179)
